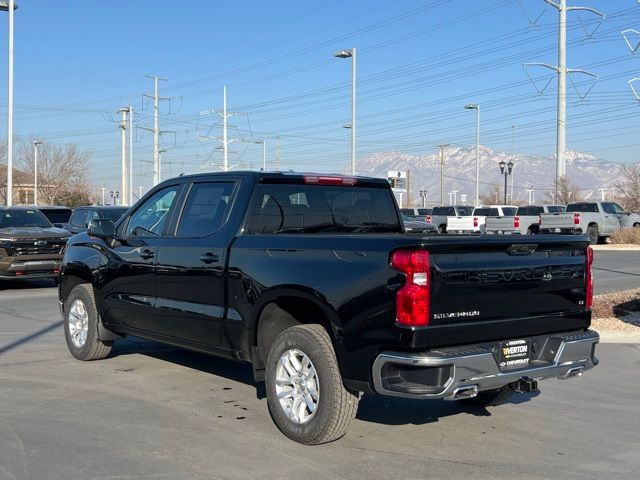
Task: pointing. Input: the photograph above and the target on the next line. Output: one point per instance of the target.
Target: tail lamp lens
(516, 222)
(576, 218)
(589, 278)
(413, 299)
(428, 218)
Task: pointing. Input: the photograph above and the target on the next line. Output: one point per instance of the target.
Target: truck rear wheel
(490, 398)
(592, 233)
(305, 393)
(81, 325)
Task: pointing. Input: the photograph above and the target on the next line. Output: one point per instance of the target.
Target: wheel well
(592, 224)
(636, 225)
(283, 313)
(69, 283)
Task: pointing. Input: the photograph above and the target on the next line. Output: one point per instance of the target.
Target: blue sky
(419, 62)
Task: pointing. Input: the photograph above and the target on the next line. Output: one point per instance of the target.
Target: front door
(190, 270)
(128, 290)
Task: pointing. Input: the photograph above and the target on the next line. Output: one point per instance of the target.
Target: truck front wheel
(81, 325)
(305, 393)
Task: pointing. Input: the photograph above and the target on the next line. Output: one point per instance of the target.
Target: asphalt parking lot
(616, 270)
(150, 412)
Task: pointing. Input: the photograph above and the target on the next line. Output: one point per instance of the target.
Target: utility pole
(104, 189)
(277, 159)
(35, 171)
(10, 6)
(602, 192)
(562, 70)
(160, 152)
(123, 130)
(225, 143)
(130, 155)
(156, 129)
(442, 147)
(139, 193)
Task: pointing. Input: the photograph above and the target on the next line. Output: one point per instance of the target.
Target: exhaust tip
(461, 393)
(573, 372)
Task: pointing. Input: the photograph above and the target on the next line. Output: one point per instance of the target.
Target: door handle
(146, 254)
(209, 258)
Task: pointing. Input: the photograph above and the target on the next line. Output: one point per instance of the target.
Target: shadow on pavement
(26, 284)
(31, 336)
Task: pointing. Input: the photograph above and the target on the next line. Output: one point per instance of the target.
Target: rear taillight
(589, 278)
(576, 218)
(329, 180)
(413, 299)
(516, 222)
(428, 218)
(475, 221)
(539, 219)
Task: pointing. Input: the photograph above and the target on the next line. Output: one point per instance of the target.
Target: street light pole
(506, 171)
(351, 54)
(442, 147)
(476, 107)
(9, 6)
(35, 171)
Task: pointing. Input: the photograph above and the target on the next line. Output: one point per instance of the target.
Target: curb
(619, 337)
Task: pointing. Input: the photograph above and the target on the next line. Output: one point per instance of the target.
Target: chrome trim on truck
(476, 366)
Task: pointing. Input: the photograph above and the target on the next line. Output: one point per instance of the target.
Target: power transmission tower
(156, 127)
(442, 146)
(562, 70)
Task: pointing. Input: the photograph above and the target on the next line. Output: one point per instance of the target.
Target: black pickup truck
(312, 280)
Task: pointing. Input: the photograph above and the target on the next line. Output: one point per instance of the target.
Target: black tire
(490, 398)
(336, 405)
(593, 234)
(636, 225)
(92, 348)
(442, 229)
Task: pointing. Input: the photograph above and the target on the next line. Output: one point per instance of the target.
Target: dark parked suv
(82, 216)
(30, 247)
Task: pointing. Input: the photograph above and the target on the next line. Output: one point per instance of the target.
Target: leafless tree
(567, 192)
(629, 186)
(494, 197)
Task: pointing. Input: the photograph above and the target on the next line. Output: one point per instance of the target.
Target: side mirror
(101, 228)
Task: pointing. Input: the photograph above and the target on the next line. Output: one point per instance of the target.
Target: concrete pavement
(151, 411)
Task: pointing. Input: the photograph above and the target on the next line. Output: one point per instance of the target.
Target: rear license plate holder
(514, 354)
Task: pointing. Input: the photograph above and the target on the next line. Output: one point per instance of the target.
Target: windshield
(113, 213)
(509, 211)
(23, 218)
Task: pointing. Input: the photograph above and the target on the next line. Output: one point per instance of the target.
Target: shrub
(626, 236)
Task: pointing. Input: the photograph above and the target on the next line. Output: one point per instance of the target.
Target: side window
(617, 209)
(150, 218)
(206, 209)
(79, 218)
(608, 208)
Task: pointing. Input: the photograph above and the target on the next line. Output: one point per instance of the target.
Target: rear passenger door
(190, 269)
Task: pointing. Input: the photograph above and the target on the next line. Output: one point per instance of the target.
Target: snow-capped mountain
(585, 172)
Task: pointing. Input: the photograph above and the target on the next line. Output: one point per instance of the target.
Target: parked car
(475, 223)
(597, 219)
(310, 279)
(82, 216)
(525, 221)
(30, 247)
(58, 216)
(418, 213)
(414, 225)
(439, 215)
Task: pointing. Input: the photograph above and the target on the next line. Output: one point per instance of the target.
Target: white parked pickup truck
(597, 219)
(439, 215)
(476, 222)
(525, 221)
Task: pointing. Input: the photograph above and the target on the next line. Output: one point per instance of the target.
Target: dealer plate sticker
(514, 354)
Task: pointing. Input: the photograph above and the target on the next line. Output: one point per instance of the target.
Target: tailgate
(500, 288)
(460, 223)
(498, 224)
(556, 220)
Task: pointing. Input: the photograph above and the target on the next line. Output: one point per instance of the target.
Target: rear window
(407, 211)
(322, 208)
(555, 209)
(509, 211)
(449, 211)
(530, 211)
(582, 207)
(57, 215)
(424, 211)
(113, 213)
(465, 211)
(486, 212)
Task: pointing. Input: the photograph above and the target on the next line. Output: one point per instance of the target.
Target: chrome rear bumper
(447, 372)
